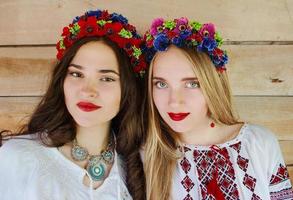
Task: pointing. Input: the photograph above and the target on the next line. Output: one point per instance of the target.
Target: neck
(206, 135)
(94, 139)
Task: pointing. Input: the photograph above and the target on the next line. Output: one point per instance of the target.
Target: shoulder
(18, 166)
(19, 152)
(259, 134)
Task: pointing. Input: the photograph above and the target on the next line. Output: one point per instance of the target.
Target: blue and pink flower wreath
(191, 34)
(103, 24)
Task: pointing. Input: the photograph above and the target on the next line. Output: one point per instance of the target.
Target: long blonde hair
(161, 148)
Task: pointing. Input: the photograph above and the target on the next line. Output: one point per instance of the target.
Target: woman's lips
(178, 116)
(87, 107)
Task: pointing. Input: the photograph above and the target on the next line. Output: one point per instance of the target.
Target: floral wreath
(103, 24)
(181, 32)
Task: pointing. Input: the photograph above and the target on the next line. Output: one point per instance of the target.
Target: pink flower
(181, 25)
(208, 30)
(182, 20)
(158, 22)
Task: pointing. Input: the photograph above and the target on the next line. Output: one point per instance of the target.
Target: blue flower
(119, 18)
(184, 34)
(207, 45)
(161, 42)
(76, 19)
(219, 61)
(149, 54)
(96, 13)
(177, 41)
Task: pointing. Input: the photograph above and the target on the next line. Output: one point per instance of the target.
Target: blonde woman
(195, 141)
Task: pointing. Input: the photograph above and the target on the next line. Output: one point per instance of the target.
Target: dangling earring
(212, 124)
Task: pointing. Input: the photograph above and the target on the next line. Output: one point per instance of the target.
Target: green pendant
(96, 168)
(79, 153)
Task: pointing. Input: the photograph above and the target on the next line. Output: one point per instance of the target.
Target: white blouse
(31, 171)
(249, 167)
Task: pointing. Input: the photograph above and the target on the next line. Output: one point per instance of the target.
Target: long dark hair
(54, 126)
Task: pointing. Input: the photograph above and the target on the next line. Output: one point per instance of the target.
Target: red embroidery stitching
(281, 175)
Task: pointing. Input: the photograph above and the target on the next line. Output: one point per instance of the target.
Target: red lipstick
(87, 107)
(178, 116)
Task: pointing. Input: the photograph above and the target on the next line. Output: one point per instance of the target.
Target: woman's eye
(75, 74)
(107, 79)
(160, 84)
(192, 84)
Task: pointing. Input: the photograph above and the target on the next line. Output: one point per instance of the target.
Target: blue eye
(192, 84)
(161, 85)
(107, 79)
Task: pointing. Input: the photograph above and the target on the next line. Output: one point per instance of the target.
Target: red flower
(67, 42)
(149, 43)
(221, 69)
(105, 15)
(171, 34)
(135, 42)
(218, 52)
(81, 22)
(141, 66)
(59, 55)
(119, 40)
(66, 32)
(88, 27)
(130, 28)
(111, 28)
(82, 32)
(58, 46)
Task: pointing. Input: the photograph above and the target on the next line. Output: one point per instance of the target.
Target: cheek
(69, 89)
(197, 102)
(66, 88)
(160, 98)
(112, 95)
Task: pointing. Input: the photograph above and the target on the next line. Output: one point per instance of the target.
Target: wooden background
(258, 36)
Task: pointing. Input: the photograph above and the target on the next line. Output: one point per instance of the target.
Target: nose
(176, 98)
(89, 89)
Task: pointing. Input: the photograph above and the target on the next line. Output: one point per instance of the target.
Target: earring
(212, 124)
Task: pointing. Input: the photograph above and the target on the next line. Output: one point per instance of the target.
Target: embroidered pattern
(215, 165)
(282, 175)
(284, 194)
(187, 183)
(248, 180)
(217, 179)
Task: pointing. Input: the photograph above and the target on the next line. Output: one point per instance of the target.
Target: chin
(86, 124)
(179, 128)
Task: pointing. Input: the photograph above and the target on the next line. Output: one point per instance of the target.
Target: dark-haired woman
(81, 141)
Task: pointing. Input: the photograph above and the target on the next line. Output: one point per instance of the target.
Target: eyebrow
(158, 78)
(103, 71)
(184, 79)
(190, 79)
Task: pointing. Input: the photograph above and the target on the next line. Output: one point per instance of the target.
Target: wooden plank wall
(258, 36)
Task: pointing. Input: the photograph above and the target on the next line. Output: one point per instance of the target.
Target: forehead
(96, 54)
(172, 63)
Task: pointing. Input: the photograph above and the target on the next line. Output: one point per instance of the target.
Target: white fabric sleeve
(16, 169)
(279, 181)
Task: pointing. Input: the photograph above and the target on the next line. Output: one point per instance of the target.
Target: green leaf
(219, 39)
(125, 34)
(101, 22)
(169, 24)
(136, 52)
(61, 44)
(195, 25)
(75, 29)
